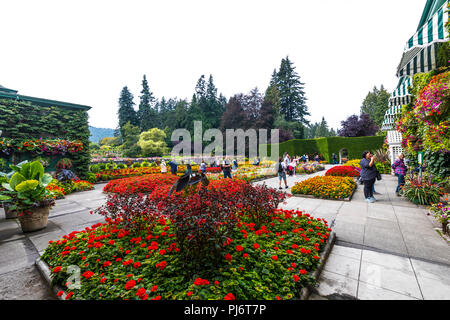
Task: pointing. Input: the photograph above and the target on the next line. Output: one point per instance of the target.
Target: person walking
(281, 169)
(307, 158)
(163, 167)
(203, 166)
(400, 170)
(303, 158)
(235, 164)
(226, 168)
(334, 157)
(368, 175)
(173, 167)
(188, 167)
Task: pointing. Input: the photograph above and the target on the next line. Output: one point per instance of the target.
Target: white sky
(86, 51)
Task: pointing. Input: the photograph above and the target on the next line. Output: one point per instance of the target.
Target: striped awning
(432, 31)
(401, 94)
(422, 60)
(393, 111)
(420, 54)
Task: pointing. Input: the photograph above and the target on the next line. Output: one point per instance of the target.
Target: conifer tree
(292, 96)
(126, 112)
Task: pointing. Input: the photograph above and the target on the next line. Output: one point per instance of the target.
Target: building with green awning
(420, 55)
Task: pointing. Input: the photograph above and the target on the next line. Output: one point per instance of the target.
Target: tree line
(283, 106)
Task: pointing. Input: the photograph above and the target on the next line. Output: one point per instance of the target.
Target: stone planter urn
(35, 220)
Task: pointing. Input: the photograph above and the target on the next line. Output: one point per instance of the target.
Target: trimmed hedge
(327, 146)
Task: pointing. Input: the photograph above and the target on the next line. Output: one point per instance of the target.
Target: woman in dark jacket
(368, 175)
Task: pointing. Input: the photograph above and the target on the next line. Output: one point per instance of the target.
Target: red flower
(293, 265)
(229, 296)
(162, 252)
(200, 282)
(154, 288)
(245, 255)
(302, 271)
(88, 274)
(296, 277)
(136, 265)
(107, 263)
(255, 245)
(130, 284)
(157, 298)
(274, 257)
(60, 293)
(102, 280)
(57, 269)
(69, 295)
(140, 292)
(228, 257)
(161, 265)
(111, 242)
(216, 283)
(239, 248)
(189, 293)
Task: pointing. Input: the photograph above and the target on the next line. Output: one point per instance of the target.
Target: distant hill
(98, 134)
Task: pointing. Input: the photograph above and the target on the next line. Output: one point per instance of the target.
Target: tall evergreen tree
(322, 130)
(147, 115)
(292, 96)
(126, 112)
(376, 104)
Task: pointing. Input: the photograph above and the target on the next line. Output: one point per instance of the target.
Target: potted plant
(28, 196)
(9, 214)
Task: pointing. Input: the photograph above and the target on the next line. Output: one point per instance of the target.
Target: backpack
(280, 167)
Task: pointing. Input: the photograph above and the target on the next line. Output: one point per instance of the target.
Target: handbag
(378, 176)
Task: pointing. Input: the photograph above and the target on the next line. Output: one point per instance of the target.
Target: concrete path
(19, 278)
(388, 249)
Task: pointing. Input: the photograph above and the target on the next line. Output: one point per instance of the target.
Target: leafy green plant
(136, 165)
(145, 164)
(2, 164)
(26, 188)
(92, 177)
(95, 168)
(422, 190)
(111, 166)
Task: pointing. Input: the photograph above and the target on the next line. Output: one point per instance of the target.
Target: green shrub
(95, 168)
(91, 177)
(3, 165)
(121, 166)
(136, 165)
(102, 166)
(327, 146)
(145, 164)
(111, 166)
(422, 191)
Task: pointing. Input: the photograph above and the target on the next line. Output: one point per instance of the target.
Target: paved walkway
(388, 249)
(384, 250)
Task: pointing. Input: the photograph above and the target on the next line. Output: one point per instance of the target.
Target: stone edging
(306, 291)
(44, 270)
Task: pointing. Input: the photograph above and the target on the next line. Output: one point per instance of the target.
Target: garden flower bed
(343, 171)
(226, 241)
(326, 187)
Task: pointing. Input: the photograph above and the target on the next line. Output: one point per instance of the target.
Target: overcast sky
(86, 51)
